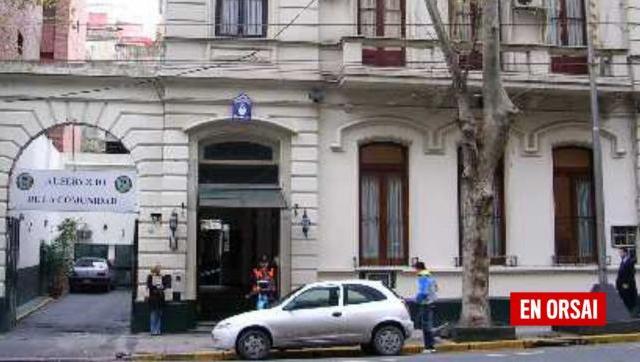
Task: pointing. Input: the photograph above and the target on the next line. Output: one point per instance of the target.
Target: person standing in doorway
(264, 283)
(155, 286)
(626, 280)
(425, 299)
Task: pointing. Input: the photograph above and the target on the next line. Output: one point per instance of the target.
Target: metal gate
(134, 276)
(11, 272)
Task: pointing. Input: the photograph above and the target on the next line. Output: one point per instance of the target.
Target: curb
(35, 308)
(407, 350)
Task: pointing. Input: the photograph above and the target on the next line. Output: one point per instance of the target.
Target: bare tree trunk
(482, 146)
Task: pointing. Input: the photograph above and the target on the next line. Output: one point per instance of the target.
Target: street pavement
(76, 325)
(626, 352)
(88, 312)
(95, 327)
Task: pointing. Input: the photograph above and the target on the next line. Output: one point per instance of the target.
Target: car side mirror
(289, 307)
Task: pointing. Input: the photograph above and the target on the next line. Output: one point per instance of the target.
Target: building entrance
(230, 243)
(239, 213)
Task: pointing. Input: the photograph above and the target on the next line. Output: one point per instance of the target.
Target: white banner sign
(62, 190)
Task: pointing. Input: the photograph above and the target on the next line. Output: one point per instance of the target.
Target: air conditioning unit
(529, 5)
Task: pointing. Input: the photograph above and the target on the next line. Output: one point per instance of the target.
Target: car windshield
(89, 262)
(279, 302)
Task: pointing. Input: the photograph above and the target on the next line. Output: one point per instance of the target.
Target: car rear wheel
(388, 340)
(253, 344)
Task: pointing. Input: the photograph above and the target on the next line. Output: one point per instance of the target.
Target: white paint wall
(157, 133)
(529, 191)
(432, 194)
(433, 214)
(40, 155)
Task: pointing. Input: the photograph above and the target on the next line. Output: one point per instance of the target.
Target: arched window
(384, 231)
(238, 151)
(238, 162)
(573, 195)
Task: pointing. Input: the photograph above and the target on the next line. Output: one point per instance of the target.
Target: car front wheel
(388, 340)
(253, 344)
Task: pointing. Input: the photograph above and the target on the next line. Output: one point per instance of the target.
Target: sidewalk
(32, 306)
(198, 347)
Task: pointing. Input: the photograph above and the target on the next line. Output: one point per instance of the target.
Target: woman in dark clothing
(626, 281)
(155, 285)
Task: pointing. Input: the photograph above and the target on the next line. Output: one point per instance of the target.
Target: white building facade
(348, 166)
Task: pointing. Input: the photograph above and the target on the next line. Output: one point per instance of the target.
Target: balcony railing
(533, 59)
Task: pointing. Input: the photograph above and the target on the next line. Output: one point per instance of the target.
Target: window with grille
(567, 27)
(383, 204)
(382, 19)
(624, 236)
(573, 196)
(238, 163)
(465, 18)
(241, 18)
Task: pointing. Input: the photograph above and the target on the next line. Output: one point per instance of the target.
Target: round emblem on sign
(123, 184)
(24, 181)
(242, 110)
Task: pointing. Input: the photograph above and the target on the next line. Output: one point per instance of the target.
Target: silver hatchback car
(351, 312)
(89, 272)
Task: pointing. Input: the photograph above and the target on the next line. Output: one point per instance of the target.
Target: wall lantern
(173, 226)
(306, 224)
(156, 220)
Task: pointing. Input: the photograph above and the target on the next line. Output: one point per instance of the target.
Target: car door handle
(337, 314)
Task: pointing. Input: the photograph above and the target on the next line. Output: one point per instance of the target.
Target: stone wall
(26, 22)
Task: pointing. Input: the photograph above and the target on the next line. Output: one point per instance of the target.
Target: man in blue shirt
(425, 298)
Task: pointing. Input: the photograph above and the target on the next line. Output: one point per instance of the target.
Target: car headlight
(223, 325)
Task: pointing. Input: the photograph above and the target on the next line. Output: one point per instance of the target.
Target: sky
(145, 12)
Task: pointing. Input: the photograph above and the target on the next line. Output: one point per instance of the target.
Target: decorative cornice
(531, 140)
(433, 140)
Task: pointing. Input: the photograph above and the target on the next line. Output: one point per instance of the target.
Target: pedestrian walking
(155, 287)
(626, 280)
(264, 283)
(425, 299)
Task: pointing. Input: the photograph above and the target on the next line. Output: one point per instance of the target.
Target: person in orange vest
(264, 283)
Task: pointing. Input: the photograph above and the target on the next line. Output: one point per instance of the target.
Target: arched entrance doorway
(242, 213)
(239, 221)
(72, 186)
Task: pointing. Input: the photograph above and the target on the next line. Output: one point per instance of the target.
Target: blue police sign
(241, 108)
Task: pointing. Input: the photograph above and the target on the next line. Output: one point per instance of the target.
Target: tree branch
(468, 124)
(498, 108)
